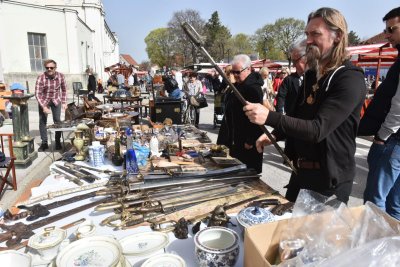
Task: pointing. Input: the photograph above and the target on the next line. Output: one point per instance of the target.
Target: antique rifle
(25, 243)
(196, 40)
(77, 174)
(81, 167)
(68, 176)
(15, 233)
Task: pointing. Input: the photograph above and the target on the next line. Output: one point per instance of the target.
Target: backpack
(170, 84)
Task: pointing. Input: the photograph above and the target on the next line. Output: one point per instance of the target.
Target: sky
(133, 20)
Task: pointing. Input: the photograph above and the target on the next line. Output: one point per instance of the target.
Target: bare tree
(182, 44)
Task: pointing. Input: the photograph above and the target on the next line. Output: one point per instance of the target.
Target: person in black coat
(237, 132)
(324, 122)
(92, 84)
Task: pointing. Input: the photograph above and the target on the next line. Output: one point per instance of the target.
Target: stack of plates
(93, 251)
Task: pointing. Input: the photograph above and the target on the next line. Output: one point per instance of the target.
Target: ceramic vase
(78, 144)
(216, 246)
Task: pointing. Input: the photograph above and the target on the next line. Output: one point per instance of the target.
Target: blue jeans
(176, 94)
(383, 183)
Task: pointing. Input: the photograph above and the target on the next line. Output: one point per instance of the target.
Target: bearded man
(323, 126)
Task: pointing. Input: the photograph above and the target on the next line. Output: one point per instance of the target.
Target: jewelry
(312, 96)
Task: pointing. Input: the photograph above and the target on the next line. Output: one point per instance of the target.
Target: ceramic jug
(96, 154)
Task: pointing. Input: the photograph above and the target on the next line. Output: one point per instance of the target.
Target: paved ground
(274, 172)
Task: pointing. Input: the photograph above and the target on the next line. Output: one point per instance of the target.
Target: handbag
(199, 101)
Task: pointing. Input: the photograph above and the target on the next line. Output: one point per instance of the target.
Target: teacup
(84, 230)
(216, 245)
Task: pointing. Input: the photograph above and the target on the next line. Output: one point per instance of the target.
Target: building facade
(72, 32)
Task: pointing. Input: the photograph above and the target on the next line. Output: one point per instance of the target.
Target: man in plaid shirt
(51, 94)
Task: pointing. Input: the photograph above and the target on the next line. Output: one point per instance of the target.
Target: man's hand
(262, 141)
(256, 113)
(246, 146)
(64, 107)
(46, 110)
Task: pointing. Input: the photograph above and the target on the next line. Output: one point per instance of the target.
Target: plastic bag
(142, 154)
(335, 232)
(381, 252)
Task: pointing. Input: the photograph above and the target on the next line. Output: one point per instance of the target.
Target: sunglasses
(237, 72)
(391, 29)
(50, 68)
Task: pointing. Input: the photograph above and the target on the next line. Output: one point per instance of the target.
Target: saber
(195, 38)
(25, 243)
(139, 198)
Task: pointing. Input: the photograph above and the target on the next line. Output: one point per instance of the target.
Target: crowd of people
(315, 109)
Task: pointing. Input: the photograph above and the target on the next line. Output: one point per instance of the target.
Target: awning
(364, 49)
(265, 63)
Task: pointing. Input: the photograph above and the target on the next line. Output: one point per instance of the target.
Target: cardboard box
(261, 242)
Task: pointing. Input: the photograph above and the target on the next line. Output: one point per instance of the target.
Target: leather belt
(308, 164)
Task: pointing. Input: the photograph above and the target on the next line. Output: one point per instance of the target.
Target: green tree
(241, 44)
(264, 44)
(183, 48)
(159, 46)
(353, 38)
(288, 31)
(217, 37)
(275, 40)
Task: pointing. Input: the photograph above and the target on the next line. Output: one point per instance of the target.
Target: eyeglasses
(237, 72)
(50, 68)
(391, 29)
(298, 59)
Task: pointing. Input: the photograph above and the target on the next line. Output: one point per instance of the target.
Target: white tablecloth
(184, 248)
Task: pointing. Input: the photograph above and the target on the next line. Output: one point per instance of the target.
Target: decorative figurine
(181, 229)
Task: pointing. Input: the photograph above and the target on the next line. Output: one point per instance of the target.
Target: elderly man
(51, 94)
(236, 131)
(382, 119)
(289, 89)
(324, 123)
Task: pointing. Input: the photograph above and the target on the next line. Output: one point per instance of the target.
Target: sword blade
(25, 243)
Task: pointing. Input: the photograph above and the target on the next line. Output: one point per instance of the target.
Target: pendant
(310, 99)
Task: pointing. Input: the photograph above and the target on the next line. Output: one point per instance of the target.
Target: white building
(72, 32)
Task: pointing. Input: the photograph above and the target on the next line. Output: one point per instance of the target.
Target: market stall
(149, 207)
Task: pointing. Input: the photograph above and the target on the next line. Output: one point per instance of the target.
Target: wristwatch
(377, 138)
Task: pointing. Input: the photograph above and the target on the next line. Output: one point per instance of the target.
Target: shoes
(58, 146)
(43, 147)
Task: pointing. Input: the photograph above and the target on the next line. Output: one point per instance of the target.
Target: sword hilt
(192, 33)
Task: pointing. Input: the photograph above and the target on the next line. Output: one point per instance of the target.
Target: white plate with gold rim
(91, 251)
(170, 260)
(143, 243)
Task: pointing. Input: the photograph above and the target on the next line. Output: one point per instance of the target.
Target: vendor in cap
(17, 89)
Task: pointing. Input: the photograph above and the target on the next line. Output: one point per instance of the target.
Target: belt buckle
(298, 163)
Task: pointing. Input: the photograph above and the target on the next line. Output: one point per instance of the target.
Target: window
(37, 50)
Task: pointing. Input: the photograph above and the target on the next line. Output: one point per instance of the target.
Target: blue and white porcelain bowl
(253, 215)
(216, 246)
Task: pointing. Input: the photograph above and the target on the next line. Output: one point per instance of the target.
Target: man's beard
(314, 58)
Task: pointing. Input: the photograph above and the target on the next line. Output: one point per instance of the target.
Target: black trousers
(56, 111)
(311, 179)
